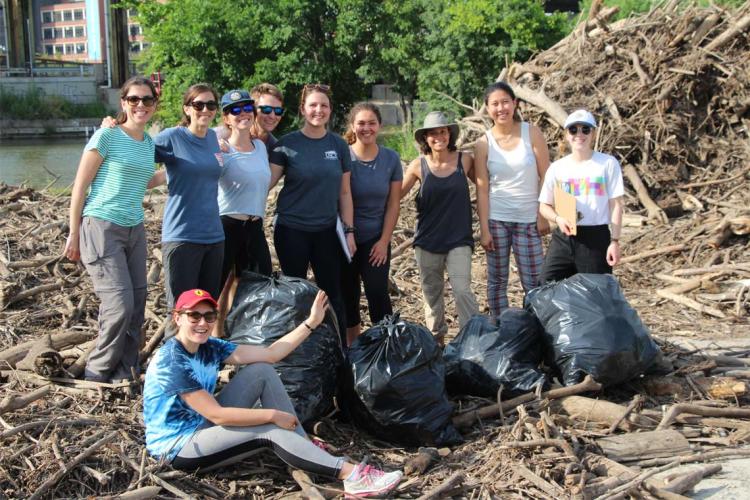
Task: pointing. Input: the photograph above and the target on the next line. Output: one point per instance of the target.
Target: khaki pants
(432, 267)
(115, 258)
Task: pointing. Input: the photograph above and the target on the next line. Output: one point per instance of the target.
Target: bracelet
(349, 229)
(307, 326)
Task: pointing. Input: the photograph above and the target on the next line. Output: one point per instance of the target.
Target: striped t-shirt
(116, 193)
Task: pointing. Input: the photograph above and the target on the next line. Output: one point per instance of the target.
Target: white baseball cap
(580, 116)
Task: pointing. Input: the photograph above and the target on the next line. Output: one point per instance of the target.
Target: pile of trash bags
(265, 309)
(589, 328)
(489, 354)
(397, 385)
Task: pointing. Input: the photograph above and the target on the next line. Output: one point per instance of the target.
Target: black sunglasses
(267, 110)
(585, 130)
(195, 316)
(147, 100)
(317, 87)
(246, 108)
(199, 105)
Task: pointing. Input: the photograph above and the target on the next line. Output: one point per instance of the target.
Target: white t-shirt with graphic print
(593, 183)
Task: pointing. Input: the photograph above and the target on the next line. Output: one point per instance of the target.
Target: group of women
(340, 197)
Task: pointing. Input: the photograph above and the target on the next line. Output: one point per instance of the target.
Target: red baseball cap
(189, 299)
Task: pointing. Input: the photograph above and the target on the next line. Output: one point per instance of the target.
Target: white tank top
(514, 180)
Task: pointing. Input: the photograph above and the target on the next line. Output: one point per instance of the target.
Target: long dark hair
(136, 81)
(349, 136)
(191, 93)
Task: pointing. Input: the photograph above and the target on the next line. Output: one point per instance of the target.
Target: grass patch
(36, 105)
(401, 140)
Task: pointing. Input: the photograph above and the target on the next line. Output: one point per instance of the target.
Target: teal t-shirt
(116, 193)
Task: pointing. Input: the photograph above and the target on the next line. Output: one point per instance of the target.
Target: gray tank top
(443, 211)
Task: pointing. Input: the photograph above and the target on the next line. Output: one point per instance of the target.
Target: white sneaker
(370, 482)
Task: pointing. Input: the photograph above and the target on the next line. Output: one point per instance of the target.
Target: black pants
(297, 250)
(375, 280)
(584, 253)
(191, 265)
(245, 247)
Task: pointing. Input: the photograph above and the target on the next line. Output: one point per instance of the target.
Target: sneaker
(369, 482)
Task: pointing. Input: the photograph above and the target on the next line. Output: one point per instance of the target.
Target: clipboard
(565, 206)
(342, 239)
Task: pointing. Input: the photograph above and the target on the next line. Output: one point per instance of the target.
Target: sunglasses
(195, 316)
(199, 105)
(245, 108)
(317, 87)
(147, 100)
(267, 110)
(585, 130)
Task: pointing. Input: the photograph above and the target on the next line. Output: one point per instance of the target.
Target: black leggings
(245, 247)
(375, 280)
(584, 253)
(297, 250)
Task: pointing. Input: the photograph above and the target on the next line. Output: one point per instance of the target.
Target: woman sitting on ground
(188, 426)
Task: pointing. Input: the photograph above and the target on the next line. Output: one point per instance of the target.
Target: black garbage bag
(267, 308)
(397, 389)
(591, 329)
(487, 354)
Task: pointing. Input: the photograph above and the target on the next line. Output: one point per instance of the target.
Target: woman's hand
(72, 249)
(542, 225)
(284, 420)
(108, 122)
(613, 253)
(351, 244)
(379, 253)
(318, 309)
(564, 225)
(487, 243)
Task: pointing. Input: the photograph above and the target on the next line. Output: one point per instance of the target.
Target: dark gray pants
(115, 258)
(213, 446)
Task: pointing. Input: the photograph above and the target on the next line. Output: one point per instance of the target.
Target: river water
(38, 162)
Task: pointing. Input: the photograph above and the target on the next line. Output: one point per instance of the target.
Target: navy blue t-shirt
(193, 171)
(312, 179)
(371, 184)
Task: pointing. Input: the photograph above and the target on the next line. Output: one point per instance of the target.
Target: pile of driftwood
(672, 93)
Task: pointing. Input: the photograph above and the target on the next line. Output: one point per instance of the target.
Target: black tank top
(443, 211)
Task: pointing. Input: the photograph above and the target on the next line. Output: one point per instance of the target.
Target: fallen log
(653, 253)
(15, 402)
(14, 354)
(42, 359)
(686, 482)
(703, 411)
(642, 445)
(604, 412)
(494, 411)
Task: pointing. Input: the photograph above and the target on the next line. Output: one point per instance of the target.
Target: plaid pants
(529, 254)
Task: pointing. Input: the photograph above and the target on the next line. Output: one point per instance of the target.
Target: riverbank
(54, 128)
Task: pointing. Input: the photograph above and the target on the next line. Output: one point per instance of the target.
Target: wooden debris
(643, 445)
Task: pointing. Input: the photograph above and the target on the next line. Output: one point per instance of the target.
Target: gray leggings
(213, 446)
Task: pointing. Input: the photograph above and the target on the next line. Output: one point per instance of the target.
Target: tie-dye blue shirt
(169, 420)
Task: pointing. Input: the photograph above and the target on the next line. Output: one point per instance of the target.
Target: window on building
(135, 47)
(57, 16)
(69, 33)
(132, 12)
(145, 45)
(78, 15)
(58, 50)
(79, 32)
(67, 15)
(135, 29)
(49, 50)
(48, 34)
(70, 48)
(47, 17)
(80, 48)
(58, 32)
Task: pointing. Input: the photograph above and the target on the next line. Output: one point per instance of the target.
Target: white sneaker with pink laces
(370, 482)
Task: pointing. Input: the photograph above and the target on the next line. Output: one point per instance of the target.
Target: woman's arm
(541, 153)
(467, 161)
(246, 354)
(276, 172)
(379, 251)
(411, 176)
(346, 209)
(613, 250)
(91, 160)
(159, 178)
(205, 404)
(483, 193)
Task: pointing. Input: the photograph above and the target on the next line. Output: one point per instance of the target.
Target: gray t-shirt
(371, 184)
(312, 179)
